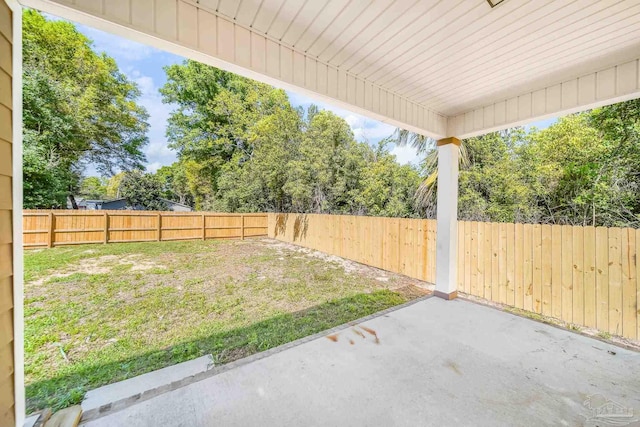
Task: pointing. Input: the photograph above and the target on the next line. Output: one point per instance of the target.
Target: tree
(216, 112)
(492, 182)
(93, 187)
(388, 188)
(142, 190)
(113, 186)
(175, 183)
(425, 195)
(78, 109)
(326, 172)
(584, 168)
(259, 182)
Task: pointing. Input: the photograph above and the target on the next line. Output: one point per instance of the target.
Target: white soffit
(433, 66)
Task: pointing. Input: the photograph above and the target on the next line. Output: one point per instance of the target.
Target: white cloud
(153, 167)
(369, 130)
(157, 151)
(405, 155)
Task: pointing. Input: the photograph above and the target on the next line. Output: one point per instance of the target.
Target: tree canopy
(582, 170)
(78, 109)
(243, 147)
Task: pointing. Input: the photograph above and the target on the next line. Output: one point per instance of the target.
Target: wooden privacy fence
(588, 276)
(405, 246)
(72, 227)
(583, 275)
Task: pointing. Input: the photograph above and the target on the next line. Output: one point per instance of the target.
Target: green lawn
(96, 314)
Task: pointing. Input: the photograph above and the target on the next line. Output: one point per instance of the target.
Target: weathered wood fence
(43, 229)
(586, 276)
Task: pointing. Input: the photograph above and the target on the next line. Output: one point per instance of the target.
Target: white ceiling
(437, 67)
(450, 55)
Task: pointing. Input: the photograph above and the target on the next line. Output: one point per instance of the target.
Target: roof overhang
(441, 68)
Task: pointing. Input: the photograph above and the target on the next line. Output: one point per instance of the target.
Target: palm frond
(425, 194)
(421, 143)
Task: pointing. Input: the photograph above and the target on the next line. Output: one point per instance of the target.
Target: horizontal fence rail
(42, 229)
(586, 276)
(405, 246)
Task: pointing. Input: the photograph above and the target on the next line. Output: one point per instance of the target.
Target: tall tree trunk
(72, 199)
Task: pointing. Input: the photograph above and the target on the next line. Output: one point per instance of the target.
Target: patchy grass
(97, 314)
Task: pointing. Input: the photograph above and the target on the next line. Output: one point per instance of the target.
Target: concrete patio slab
(434, 362)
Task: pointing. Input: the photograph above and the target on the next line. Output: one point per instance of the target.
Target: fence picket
(536, 270)
(589, 264)
(546, 269)
(629, 302)
(528, 268)
(616, 240)
(578, 276)
(602, 278)
(519, 265)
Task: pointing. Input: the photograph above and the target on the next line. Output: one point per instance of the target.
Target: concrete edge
(90, 409)
(141, 397)
(507, 309)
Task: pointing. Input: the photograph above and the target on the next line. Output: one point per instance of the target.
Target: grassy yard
(96, 314)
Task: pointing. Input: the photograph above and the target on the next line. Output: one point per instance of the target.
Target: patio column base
(444, 295)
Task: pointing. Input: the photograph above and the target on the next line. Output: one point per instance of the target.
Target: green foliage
(387, 188)
(175, 184)
(582, 170)
(113, 186)
(93, 187)
(243, 147)
(142, 190)
(78, 109)
(491, 184)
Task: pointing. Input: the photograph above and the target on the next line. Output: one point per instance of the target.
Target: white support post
(447, 219)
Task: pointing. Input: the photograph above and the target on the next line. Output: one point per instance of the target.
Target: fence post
(106, 228)
(159, 237)
(52, 226)
(204, 230)
(241, 227)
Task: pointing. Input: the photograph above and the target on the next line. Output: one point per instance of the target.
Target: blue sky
(143, 64)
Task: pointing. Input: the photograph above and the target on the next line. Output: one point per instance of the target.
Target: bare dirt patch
(100, 265)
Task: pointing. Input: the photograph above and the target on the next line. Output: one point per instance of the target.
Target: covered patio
(448, 70)
(408, 367)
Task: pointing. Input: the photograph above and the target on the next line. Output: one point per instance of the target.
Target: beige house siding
(7, 399)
